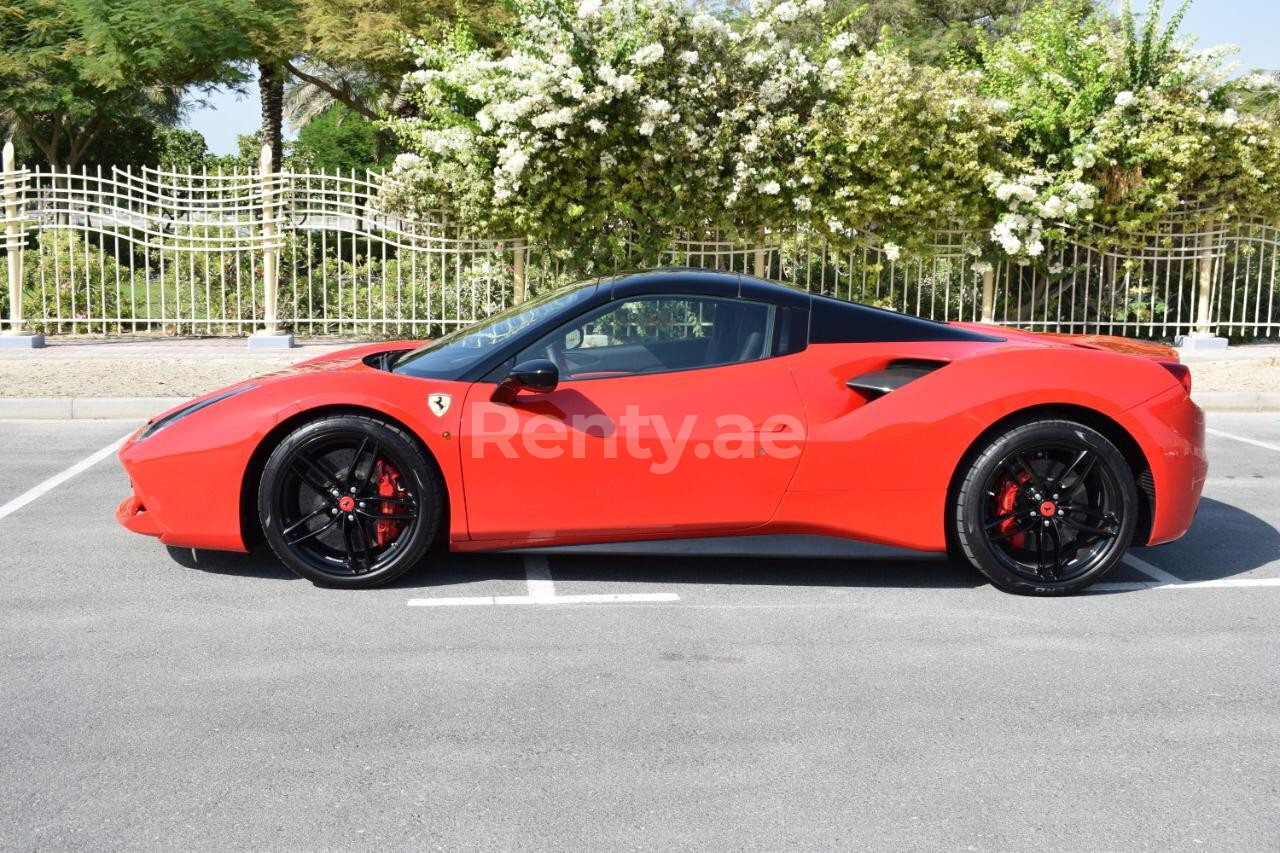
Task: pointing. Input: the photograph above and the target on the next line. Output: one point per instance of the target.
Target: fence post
(989, 296)
(1202, 337)
(520, 254)
(14, 243)
(269, 337)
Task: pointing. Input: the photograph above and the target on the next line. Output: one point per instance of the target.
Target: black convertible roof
(830, 320)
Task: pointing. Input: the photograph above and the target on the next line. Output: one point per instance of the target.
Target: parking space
(155, 697)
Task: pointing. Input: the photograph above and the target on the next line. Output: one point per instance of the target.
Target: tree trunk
(271, 91)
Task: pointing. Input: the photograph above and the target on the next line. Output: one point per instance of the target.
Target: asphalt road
(151, 699)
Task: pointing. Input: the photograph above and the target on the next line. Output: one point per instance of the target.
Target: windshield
(457, 352)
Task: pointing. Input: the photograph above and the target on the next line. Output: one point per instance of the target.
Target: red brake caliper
(389, 486)
(1006, 500)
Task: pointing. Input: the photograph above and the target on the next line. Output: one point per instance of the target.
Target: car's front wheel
(1046, 508)
(349, 501)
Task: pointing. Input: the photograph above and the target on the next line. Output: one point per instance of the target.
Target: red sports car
(677, 404)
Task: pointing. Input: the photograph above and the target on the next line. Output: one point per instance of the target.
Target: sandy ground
(71, 367)
(142, 368)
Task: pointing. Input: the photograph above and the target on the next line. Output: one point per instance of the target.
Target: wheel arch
(1139, 466)
(251, 525)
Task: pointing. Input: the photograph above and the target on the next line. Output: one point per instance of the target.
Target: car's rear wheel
(349, 501)
(1046, 508)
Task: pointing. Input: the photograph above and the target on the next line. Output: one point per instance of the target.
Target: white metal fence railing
(147, 251)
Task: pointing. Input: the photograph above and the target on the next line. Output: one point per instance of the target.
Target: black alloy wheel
(350, 501)
(1047, 508)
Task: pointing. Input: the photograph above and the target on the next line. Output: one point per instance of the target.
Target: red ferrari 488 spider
(678, 404)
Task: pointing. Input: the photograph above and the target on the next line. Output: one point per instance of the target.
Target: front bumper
(134, 516)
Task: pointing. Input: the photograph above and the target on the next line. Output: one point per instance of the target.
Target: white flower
(1125, 99)
(689, 57)
(1227, 119)
(982, 267)
(1035, 247)
(802, 202)
(832, 73)
(588, 9)
(786, 11)
(564, 115)
(646, 128)
(624, 83)
(1091, 40)
(485, 121)
(596, 125)
(897, 201)
(999, 105)
(842, 41)
(1052, 207)
(512, 160)
(607, 161)
(892, 251)
(769, 188)
(407, 161)
(1055, 268)
(706, 24)
(656, 107)
(815, 6)
(1257, 81)
(648, 54)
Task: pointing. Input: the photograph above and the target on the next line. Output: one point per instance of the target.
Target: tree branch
(340, 95)
(80, 142)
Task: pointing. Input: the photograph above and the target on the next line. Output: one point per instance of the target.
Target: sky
(1251, 25)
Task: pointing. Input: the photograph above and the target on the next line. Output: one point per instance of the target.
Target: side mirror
(536, 374)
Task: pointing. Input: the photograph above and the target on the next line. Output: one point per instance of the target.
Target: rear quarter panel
(880, 470)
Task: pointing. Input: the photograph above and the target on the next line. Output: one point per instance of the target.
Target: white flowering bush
(626, 119)
(604, 128)
(1119, 127)
(900, 150)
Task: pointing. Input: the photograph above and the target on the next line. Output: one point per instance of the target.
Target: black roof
(830, 320)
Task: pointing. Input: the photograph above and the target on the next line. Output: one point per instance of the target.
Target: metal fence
(126, 252)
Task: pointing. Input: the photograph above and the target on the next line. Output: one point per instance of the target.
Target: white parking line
(1160, 579)
(1253, 441)
(542, 590)
(1151, 571)
(603, 598)
(537, 573)
(61, 477)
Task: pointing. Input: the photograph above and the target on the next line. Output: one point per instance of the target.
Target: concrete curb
(141, 408)
(1238, 401)
(77, 408)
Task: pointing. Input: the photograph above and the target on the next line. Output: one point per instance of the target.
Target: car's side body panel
(670, 453)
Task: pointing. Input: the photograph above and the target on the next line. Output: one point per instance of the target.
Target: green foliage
(69, 69)
(933, 32)
(182, 149)
(79, 283)
(340, 140)
(1150, 125)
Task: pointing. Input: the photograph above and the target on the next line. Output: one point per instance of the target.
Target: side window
(654, 334)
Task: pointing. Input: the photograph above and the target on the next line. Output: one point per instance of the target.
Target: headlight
(173, 417)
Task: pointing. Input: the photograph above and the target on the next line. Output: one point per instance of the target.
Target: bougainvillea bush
(607, 127)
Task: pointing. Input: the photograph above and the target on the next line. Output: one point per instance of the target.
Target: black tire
(1046, 508)
(322, 511)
